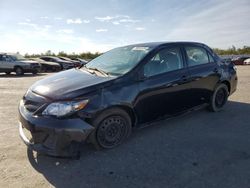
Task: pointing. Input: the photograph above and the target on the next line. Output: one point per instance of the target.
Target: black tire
(19, 71)
(8, 73)
(34, 72)
(113, 126)
(219, 98)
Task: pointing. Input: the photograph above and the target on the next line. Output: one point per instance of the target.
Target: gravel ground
(199, 149)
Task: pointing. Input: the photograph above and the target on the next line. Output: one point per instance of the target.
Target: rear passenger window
(165, 60)
(196, 56)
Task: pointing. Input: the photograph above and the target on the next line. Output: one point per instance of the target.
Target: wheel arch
(227, 83)
(129, 110)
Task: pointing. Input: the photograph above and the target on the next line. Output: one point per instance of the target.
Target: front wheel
(112, 128)
(19, 71)
(219, 98)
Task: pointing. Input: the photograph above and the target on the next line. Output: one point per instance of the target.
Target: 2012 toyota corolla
(126, 87)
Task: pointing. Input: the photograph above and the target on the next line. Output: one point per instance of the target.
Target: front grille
(31, 106)
(32, 101)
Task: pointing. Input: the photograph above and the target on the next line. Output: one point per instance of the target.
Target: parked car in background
(239, 60)
(125, 87)
(80, 60)
(247, 61)
(226, 60)
(76, 63)
(47, 66)
(16, 63)
(63, 63)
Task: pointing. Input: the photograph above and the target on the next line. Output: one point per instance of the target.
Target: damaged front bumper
(52, 136)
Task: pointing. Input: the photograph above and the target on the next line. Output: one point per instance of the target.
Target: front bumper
(52, 136)
(233, 83)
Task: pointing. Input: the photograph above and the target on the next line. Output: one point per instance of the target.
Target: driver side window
(166, 60)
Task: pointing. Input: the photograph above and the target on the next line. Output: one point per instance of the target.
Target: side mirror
(140, 76)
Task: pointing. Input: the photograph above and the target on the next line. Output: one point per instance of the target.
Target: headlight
(60, 109)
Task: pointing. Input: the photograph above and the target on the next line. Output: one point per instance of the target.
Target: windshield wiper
(86, 69)
(98, 70)
(94, 70)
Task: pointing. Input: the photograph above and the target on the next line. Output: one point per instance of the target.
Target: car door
(9, 63)
(6, 63)
(204, 73)
(165, 87)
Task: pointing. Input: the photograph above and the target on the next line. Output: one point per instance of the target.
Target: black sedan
(75, 62)
(81, 61)
(63, 63)
(47, 66)
(124, 88)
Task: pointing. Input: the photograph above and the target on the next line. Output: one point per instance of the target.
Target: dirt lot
(200, 149)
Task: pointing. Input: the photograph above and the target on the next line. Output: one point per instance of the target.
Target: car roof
(55, 57)
(48, 56)
(158, 44)
(7, 53)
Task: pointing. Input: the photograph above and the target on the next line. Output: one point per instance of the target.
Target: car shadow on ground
(193, 150)
(22, 76)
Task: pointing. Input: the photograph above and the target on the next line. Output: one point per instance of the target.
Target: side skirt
(167, 117)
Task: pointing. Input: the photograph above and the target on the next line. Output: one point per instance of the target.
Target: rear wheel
(113, 126)
(219, 98)
(19, 71)
(8, 73)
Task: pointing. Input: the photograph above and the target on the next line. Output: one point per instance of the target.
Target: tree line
(233, 51)
(88, 55)
(83, 55)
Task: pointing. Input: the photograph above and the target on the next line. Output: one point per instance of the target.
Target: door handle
(184, 78)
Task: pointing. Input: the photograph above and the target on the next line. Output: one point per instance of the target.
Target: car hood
(68, 84)
(49, 63)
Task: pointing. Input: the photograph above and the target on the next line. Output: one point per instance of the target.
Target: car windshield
(119, 60)
(56, 58)
(17, 57)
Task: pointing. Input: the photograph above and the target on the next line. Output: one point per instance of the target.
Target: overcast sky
(34, 26)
